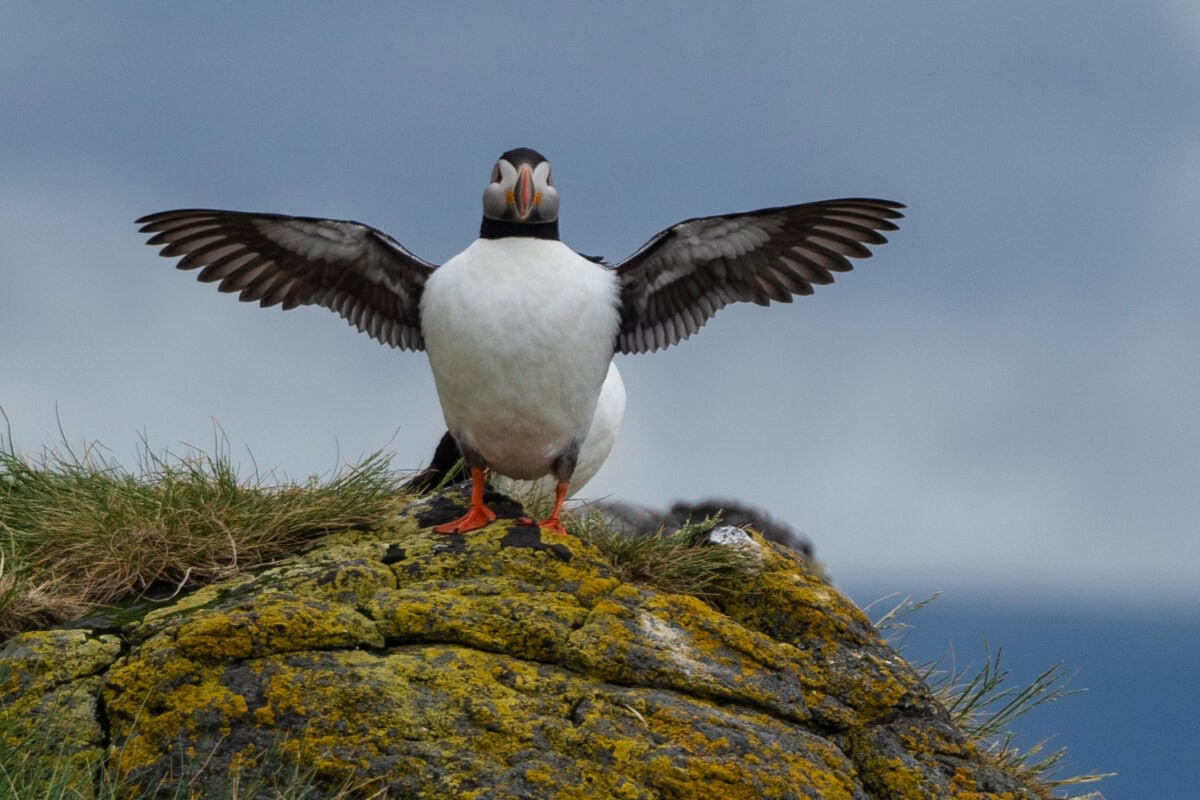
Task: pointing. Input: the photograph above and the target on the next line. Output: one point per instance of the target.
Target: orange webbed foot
(477, 515)
(473, 520)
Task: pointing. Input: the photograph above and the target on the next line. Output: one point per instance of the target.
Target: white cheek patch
(495, 194)
(495, 202)
(547, 210)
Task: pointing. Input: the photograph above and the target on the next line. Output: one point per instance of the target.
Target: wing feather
(359, 272)
(684, 275)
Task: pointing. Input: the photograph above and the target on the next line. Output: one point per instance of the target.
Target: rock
(507, 663)
(49, 685)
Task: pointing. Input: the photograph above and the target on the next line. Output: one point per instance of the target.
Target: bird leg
(478, 514)
(562, 469)
(552, 522)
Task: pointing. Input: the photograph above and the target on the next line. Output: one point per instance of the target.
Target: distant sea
(1140, 714)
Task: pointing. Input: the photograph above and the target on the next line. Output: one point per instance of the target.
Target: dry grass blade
(78, 532)
(894, 619)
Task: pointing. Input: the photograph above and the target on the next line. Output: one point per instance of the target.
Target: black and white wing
(361, 273)
(683, 276)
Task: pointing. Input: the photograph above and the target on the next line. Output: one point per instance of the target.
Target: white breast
(519, 333)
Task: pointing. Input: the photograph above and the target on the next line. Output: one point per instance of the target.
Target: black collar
(501, 229)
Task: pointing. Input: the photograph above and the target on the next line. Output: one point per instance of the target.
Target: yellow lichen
(501, 664)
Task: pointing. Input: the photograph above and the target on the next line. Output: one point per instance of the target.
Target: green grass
(677, 561)
(984, 705)
(78, 531)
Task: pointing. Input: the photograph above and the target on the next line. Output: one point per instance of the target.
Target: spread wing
(683, 276)
(361, 273)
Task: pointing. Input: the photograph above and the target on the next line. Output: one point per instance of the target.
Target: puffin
(520, 330)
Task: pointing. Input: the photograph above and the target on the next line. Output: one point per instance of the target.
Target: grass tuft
(984, 707)
(679, 562)
(77, 531)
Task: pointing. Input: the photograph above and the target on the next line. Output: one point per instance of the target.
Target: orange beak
(525, 199)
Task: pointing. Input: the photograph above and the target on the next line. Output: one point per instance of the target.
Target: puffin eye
(549, 177)
(496, 172)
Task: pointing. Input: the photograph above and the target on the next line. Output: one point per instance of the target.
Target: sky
(1002, 400)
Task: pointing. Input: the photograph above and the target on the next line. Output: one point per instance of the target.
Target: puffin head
(521, 190)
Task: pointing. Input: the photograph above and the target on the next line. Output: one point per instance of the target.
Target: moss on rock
(505, 663)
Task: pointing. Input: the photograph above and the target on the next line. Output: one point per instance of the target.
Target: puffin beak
(525, 199)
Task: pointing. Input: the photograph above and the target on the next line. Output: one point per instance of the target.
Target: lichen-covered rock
(49, 685)
(507, 663)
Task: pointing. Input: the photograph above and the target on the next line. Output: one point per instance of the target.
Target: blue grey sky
(1003, 399)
